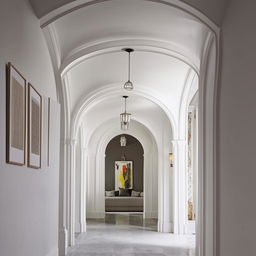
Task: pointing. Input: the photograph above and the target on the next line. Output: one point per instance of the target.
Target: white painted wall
(236, 138)
(28, 197)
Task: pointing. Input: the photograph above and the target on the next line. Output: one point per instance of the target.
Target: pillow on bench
(110, 193)
(135, 193)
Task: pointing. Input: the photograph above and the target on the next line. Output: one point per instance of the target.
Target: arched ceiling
(168, 43)
(162, 75)
(142, 110)
(134, 20)
(213, 9)
(115, 20)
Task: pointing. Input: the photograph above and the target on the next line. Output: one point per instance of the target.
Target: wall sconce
(171, 159)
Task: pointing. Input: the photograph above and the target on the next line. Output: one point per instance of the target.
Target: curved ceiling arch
(110, 92)
(100, 138)
(113, 139)
(64, 9)
(139, 45)
(80, 36)
(82, 33)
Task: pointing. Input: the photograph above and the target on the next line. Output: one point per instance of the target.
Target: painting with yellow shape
(123, 175)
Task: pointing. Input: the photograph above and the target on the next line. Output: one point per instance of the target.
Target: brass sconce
(171, 159)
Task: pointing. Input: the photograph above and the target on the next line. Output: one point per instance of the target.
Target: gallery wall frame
(48, 130)
(15, 116)
(34, 127)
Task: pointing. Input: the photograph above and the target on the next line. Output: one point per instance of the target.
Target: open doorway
(124, 175)
(163, 63)
(192, 164)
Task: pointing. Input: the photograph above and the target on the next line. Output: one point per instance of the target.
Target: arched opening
(202, 62)
(124, 175)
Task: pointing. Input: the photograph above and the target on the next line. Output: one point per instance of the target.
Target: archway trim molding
(208, 79)
(78, 4)
(183, 104)
(150, 147)
(153, 45)
(114, 90)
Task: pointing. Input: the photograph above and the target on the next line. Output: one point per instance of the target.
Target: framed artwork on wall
(123, 175)
(34, 127)
(15, 116)
(48, 131)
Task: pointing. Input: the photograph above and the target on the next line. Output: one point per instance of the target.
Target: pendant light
(128, 85)
(122, 141)
(125, 117)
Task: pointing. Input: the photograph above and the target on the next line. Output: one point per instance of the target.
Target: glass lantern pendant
(128, 85)
(125, 117)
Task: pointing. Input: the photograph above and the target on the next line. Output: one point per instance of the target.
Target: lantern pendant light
(125, 117)
(128, 85)
(122, 141)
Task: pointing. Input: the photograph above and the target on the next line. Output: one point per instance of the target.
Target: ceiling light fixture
(125, 117)
(128, 85)
(122, 141)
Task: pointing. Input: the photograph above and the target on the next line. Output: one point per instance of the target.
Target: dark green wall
(133, 152)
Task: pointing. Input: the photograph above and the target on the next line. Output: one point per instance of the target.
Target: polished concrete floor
(129, 235)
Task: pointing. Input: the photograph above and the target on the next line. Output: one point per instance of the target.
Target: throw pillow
(135, 193)
(110, 193)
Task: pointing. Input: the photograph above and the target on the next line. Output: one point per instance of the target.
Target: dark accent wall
(133, 152)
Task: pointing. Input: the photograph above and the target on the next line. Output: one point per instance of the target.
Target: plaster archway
(150, 163)
(207, 91)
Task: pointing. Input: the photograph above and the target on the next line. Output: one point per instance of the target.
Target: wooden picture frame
(34, 127)
(48, 131)
(15, 116)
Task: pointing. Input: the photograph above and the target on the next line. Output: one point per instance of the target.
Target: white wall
(236, 132)
(28, 197)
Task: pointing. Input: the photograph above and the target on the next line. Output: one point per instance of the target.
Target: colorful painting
(123, 175)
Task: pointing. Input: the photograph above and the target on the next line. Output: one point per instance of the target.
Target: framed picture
(15, 116)
(34, 127)
(123, 175)
(48, 130)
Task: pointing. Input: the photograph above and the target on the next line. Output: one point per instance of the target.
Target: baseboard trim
(77, 227)
(165, 227)
(83, 227)
(63, 241)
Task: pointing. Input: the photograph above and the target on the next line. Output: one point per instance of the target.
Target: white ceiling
(168, 45)
(213, 9)
(141, 109)
(161, 74)
(115, 20)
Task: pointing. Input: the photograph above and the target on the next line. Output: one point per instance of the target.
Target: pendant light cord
(129, 68)
(124, 105)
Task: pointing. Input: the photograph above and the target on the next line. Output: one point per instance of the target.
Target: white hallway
(72, 53)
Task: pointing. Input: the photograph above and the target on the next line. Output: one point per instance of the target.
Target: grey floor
(129, 235)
